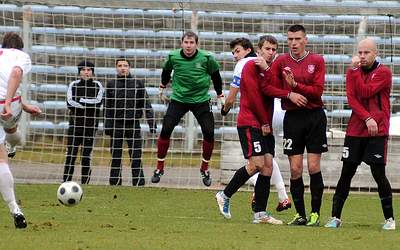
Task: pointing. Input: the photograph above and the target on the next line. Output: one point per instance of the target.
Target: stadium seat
(43, 69)
(55, 105)
(339, 79)
(52, 88)
(337, 58)
(353, 3)
(45, 49)
(130, 12)
(41, 125)
(36, 8)
(385, 4)
(106, 52)
(339, 113)
(9, 8)
(67, 9)
(98, 11)
(73, 50)
(10, 29)
(338, 39)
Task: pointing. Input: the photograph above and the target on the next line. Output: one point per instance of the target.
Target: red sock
(160, 164)
(204, 166)
(207, 152)
(162, 149)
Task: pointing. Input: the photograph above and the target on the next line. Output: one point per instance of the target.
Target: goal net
(58, 37)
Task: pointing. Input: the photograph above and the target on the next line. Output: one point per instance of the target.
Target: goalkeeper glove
(220, 101)
(223, 112)
(161, 94)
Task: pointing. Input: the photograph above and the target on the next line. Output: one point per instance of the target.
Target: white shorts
(16, 110)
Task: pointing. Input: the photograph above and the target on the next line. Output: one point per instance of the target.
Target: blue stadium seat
(385, 4)
(338, 39)
(169, 33)
(55, 105)
(10, 29)
(349, 18)
(143, 52)
(44, 30)
(52, 88)
(43, 69)
(353, 3)
(130, 12)
(334, 98)
(339, 79)
(339, 113)
(41, 125)
(98, 11)
(67, 9)
(316, 17)
(74, 50)
(62, 126)
(9, 7)
(140, 33)
(37, 8)
(45, 49)
(107, 52)
(337, 58)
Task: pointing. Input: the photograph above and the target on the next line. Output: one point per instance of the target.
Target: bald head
(368, 43)
(367, 52)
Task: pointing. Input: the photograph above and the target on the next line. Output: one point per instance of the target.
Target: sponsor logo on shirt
(378, 156)
(372, 77)
(311, 68)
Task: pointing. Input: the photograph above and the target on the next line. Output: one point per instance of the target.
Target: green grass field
(158, 218)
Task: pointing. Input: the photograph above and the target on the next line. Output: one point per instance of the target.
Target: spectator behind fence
(84, 98)
(126, 98)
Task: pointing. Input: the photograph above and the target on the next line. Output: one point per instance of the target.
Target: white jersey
(10, 58)
(237, 72)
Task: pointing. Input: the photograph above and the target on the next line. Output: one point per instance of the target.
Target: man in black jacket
(126, 98)
(84, 98)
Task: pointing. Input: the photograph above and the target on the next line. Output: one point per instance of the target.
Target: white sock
(7, 188)
(253, 179)
(277, 180)
(14, 138)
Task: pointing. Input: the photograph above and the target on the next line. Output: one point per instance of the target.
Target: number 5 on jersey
(345, 153)
(257, 146)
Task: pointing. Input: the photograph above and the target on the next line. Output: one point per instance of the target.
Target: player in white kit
(14, 63)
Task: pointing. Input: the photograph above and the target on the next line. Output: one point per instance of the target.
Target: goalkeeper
(193, 68)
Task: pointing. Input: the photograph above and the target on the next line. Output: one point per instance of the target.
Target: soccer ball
(69, 193)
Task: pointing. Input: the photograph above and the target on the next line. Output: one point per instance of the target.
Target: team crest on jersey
(198, 65)
(311, 68)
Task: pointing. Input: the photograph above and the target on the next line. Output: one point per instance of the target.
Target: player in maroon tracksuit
(255, 131)
(304, 126)
(368, 85)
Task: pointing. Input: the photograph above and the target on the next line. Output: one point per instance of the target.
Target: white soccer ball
(69, 193)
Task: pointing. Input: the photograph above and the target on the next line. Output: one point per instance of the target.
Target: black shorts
(371, 150)
(304, 128)
(254, 143)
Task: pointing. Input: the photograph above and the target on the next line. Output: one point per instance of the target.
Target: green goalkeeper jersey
(191, 76)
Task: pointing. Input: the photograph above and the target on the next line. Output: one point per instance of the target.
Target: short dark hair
(85, 64)
(244, 42)
(297, 27)
(119, 59)
(267, 38)
(190, 34)
(12, 40)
